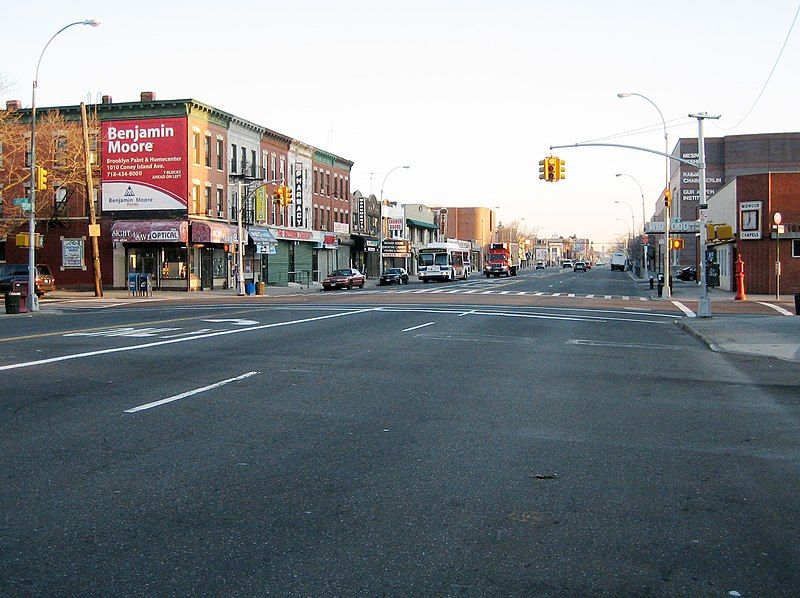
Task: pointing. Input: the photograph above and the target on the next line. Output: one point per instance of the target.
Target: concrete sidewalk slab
(763, 336)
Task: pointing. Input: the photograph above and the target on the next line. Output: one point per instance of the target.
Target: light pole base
(704, 307)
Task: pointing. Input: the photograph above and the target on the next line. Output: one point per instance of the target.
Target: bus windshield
(432, 259)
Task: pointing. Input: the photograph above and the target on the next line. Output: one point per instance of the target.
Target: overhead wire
(769, 77)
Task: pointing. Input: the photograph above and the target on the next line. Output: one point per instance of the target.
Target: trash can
(13, 303)
(797, 304)
(249, 288)
(261, 288)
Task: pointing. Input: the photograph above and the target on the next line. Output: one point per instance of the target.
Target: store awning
(421, 224)
(213, 232)
(261, 235)
(150, 231)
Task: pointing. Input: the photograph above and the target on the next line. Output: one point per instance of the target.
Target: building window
(795, 247)
(219, 201)
(220, 154)
(196, 147)
(283, 169)
(208, 151)
(272, 168)
(244, 160)
(60, 158)
(195, 198)
(253, 164)
(234, 155)
(209, 207)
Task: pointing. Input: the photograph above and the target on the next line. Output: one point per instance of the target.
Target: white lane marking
(504, 292)
(591, 343)
(607, 296)
(522, 293)
(189, 393)
(539, 293)
(127, 331)
(570, 294)
(777, 308)
(557, 294)
(626, 298)
(470, 292)
(689, 313)
(415, 327)
(589, 296)
(466, 313)
(27, 364)
(236, 321)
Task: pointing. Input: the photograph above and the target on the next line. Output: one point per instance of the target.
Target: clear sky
(470, 94)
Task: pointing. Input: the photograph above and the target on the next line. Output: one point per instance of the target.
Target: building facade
(180, 184)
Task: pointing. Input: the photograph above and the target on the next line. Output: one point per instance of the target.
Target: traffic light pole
(704, 305)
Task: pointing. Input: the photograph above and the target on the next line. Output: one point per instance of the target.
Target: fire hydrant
(740, 294)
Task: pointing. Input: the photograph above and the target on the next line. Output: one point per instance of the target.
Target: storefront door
(207, 269)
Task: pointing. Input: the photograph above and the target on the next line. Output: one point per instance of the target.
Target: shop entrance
(207, 268)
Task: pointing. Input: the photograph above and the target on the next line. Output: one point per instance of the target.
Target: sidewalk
(765, 336)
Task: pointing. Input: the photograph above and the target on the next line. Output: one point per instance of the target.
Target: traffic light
(676, 244)
(40, 176)
(667, 197)
(287, 195)
(711, 231)
(559, 169)
(544, 169)
(277, 196)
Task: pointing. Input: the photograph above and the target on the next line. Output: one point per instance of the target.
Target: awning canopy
(213, 232)
(150, 231)
(421, 224)
(261, 235)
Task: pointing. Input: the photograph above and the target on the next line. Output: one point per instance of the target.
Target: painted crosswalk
(479, 291)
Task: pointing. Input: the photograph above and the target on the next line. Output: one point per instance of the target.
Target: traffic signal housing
(40, 178)
(287, 195)
(544, 169)
(277, 196)
(676, 244)
(559, 169)
(667, 197)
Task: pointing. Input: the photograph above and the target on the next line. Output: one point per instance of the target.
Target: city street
(550, 434)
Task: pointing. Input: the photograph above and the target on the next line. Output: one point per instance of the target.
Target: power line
(676, 122)
(774, 66)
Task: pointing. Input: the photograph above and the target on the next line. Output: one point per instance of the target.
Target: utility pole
(94, 231)
(704, 304)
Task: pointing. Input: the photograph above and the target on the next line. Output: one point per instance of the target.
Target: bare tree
(59, 149)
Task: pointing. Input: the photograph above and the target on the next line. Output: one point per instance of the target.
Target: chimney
(106, 99)
(13, 105)
(148, 96)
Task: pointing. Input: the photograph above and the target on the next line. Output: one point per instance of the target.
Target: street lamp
(644, 246)
(666, 184)
(32, 220)
(380, 232)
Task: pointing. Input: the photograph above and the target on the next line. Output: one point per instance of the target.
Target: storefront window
(173, 262)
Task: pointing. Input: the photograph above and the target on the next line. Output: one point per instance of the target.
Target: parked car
(394, 275)
(540, 266)
(11, 273)
(579, 266)
(689, 273)
(344, 278)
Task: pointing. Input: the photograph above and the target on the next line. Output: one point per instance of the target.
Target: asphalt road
(366, 443)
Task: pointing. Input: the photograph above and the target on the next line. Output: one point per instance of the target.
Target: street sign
(676, 226)
(22, 202)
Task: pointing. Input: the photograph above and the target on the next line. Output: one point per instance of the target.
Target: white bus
(443, 261)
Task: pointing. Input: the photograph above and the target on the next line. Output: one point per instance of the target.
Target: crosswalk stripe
(463, 291)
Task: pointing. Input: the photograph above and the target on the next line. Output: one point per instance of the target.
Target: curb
(685, 327)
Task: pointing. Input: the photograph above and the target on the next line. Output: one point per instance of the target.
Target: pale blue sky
(470, 94)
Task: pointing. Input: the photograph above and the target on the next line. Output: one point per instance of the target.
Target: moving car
(689, 273)
(619, 261)
(11, 273)
(579, 266)
(344, 278)
(540, 266)
(566, 263)
(394, 275)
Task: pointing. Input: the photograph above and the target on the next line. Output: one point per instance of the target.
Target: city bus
(443, 261)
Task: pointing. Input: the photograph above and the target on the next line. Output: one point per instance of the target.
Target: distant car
(689, 273)
(579, 266)
(394, 275)
(344, 278)
(540, 266)
(566, 264)
(45, 282)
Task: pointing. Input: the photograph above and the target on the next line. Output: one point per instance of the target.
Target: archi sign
(145, 164)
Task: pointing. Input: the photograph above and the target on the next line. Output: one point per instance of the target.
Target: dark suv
(11, 273)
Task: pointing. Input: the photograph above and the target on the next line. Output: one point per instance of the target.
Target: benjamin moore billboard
(145, 164)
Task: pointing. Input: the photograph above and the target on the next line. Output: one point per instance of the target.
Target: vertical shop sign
(298, 195)
(261, 204)
(145, 164)
(362, 214)
(72, 254)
